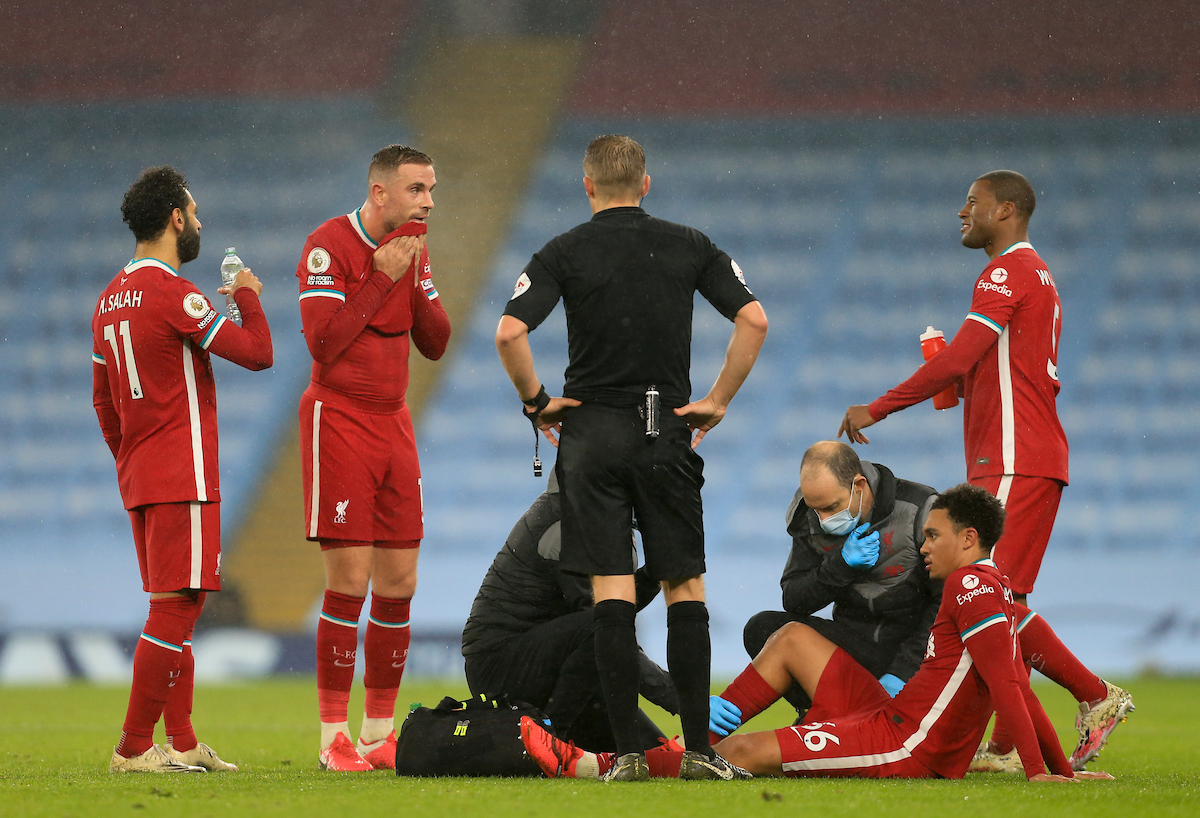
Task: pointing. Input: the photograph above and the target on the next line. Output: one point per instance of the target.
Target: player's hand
(394, 258)
(891, 683)
(723, 717)
(1054, 779)
(245, 278)
(701, 417)
(857, 418)
(551, 418)
(1093, 775)
(861, 550)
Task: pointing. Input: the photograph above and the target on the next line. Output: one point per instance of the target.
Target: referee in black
(625, 425)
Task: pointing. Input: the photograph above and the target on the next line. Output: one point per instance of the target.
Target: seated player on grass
(932, 727)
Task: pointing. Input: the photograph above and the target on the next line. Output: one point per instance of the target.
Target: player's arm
(250, 344)
(749, 332)
(102, 401)
(431, 324)
(331, 319)
(946, 367)
(990, 644)
(912, 650)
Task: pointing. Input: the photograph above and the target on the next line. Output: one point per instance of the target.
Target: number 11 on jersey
(110, 335)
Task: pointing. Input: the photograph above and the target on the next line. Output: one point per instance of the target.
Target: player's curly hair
(970, 506)
(388, 159)
(1010, 186)
(151, 200)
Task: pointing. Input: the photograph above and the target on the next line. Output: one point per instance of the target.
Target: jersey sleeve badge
(318, 260)
(737, 271)
(196, 305)
(523, 284)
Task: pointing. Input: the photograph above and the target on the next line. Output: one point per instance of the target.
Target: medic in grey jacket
(856, 534)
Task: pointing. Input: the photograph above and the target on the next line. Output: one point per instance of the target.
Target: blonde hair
(615, 164)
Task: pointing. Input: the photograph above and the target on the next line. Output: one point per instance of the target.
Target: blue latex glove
(861, 549)
(723, 717)
(892, 684)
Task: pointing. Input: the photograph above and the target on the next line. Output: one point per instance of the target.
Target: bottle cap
(229, 251)
(930, 332)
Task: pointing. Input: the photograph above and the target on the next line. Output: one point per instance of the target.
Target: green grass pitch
(55, 744)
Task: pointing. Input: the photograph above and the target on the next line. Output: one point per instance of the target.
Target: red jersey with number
(357, 322)
(1010, 417)
(947, 704)
(151, 331)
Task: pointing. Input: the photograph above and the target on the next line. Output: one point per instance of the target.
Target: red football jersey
(1010, 418)
(357, 322)
(947, 704)
(151, 331)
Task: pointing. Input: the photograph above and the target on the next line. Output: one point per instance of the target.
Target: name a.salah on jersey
(125, 298)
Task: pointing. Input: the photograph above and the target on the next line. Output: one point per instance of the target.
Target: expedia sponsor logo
(996, 288)
(320, 281)
(963, 599)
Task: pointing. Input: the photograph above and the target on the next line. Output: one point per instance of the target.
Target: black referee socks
(689, 660)
(617, 662)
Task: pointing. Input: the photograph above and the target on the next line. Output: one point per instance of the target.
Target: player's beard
(187, 244)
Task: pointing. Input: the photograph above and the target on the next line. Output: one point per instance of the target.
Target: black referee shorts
(608, 470)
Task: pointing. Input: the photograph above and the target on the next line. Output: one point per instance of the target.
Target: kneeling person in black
(627, 282)
(530, 635)
(857, 533)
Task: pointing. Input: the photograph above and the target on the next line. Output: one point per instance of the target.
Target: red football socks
(156, 666)
(386, 649)
(663, 762)
(337, 646)
(750, 693)
(177, 715)
(1046, 653)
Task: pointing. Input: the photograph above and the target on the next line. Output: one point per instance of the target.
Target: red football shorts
(178, 546)
(1031, 504)
(847, 733)
(362, 478)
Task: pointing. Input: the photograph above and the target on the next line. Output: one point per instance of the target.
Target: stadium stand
(262, 175)
(791, 136)
(854, 251)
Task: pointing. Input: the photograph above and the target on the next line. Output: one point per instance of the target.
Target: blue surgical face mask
(843, 522)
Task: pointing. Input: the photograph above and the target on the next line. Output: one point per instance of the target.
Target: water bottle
(230, 267)
(933, 342)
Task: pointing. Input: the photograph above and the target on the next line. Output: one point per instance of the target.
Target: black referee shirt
(627, 280)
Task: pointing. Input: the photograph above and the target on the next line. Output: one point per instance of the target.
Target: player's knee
(756, 752)
(395, 587)
(758, 630)
(791, 637)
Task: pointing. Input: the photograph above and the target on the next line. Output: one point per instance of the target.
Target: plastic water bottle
(932, 342)
(230, 267)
